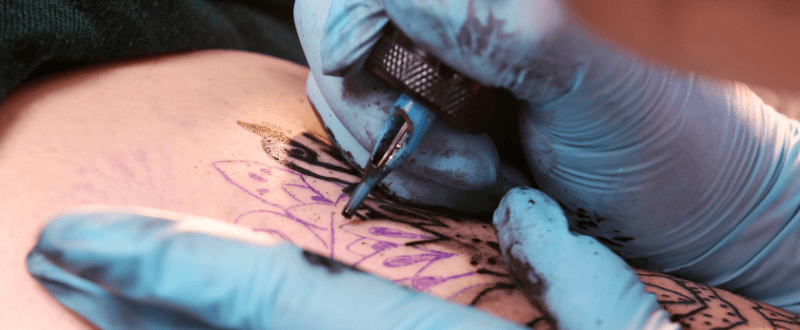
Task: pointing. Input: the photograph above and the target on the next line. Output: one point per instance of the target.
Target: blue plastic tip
(369, 180)
(397, 139)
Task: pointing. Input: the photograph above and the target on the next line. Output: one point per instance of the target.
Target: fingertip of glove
(36, 262)
(525, 205)
(60, 228)
(52, 259)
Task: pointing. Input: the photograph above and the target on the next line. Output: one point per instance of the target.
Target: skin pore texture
(231, 136)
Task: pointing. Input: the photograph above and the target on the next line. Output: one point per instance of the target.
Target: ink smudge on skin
(266, 131)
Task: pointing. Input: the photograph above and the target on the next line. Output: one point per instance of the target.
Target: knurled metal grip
(454, 98)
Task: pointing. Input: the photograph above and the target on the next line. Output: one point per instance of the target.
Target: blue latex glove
(675, 172)
(150, 269)
(583, 284)
(449, 168)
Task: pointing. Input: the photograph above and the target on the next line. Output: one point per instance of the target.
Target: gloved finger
(358, 106)
(351, 29)
(142, 270)
(582, 283)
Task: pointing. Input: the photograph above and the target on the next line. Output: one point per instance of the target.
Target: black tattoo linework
(695, 306)
(698, 306)
(778, 318)
(309, 159)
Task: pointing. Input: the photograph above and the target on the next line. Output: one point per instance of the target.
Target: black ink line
(440, 239)
(778, 318)
(497, 286)
(485, 271)
(304, 156)
(710, 305)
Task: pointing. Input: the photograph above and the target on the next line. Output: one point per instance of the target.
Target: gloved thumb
(152, 269)
(351, 29)
(580, 282)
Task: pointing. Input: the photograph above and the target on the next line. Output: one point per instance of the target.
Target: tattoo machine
(429, 89)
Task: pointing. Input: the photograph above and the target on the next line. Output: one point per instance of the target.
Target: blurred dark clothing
(38, 37)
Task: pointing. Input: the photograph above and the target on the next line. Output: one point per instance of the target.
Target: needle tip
(348, 213)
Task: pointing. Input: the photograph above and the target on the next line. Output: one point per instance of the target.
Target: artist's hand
(675, 172)
(152, 269)
(449, 168)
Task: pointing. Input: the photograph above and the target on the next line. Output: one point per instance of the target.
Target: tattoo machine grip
(429, 89)
(455, 98)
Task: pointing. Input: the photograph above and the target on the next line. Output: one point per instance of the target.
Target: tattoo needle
(400, 135)
(430, 89)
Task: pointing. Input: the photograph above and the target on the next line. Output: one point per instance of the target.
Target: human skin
(231, 136)
(754, 41)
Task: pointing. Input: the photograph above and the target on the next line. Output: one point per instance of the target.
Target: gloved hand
(449, 168)
(675, 172)
(125, 268)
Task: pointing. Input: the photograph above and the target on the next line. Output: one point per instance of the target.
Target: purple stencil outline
(439, 255)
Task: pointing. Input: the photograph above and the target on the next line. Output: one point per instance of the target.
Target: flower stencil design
(300, 190)
(292, 197)
(302, 202)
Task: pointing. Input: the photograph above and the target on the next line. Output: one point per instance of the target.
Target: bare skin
(753, 41)
(232, 136)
